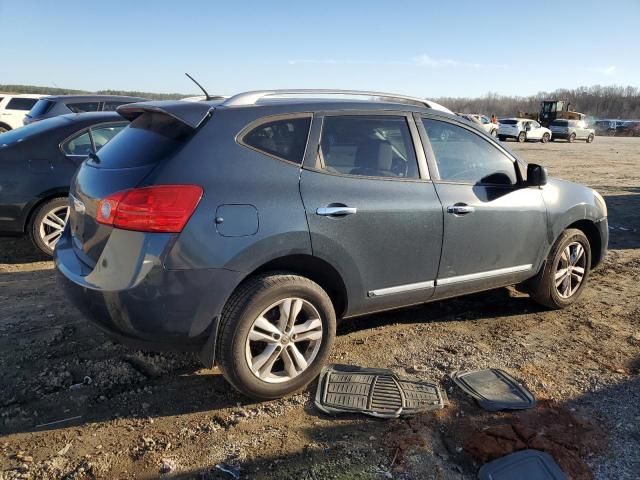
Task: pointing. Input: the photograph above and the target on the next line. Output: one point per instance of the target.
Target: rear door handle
(336, 211)
(460, 209)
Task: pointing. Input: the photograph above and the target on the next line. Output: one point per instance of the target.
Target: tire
(545, 138)
(522, 137)
(494, 133)
(47, 223)
(263, 297)
(502, 138)
(572, 138)
(590, 138)
(4, 128)
(544, 289)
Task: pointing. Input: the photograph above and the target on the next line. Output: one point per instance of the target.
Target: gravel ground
(75, 405)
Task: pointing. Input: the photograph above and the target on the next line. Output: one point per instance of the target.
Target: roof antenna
(201, 87)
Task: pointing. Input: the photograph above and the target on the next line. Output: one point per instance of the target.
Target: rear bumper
(560, 135)
(135, 300)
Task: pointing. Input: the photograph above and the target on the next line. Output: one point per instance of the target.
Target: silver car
(571, 130)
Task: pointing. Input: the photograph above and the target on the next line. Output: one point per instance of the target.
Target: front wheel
(522, 137)
(590, 138)
(276, 333)
(502, 138)
(572, 138)
(545, 138)
(565, 273)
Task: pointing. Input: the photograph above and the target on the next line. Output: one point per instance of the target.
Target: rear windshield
(41, 107)
(559, 123)
(23, 133)
(508, 122)
(19, 103)
(148, 139)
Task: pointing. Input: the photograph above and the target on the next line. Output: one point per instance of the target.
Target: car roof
(93, 97)
(21, 95)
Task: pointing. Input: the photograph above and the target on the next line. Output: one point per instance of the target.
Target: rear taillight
(161, 208)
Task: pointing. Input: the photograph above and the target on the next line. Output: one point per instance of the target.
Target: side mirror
(536, 175)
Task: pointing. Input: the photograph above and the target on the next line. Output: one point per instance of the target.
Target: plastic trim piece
(494, 389)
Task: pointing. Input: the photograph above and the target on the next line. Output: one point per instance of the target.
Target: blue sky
(429, 49)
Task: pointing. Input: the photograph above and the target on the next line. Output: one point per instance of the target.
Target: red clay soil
(552, 429)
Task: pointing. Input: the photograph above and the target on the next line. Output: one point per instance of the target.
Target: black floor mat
(522, 465)
(376, 392)
(494, 389)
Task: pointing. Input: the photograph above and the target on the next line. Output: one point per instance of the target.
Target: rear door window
(78, 145)
(284, 138)
(81, 107)
(103, 134)
(464, 157)
(18, 103)
(372, 146)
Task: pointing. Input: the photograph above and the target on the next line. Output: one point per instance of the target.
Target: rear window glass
(148, 139)
(83, 107)
(41, 107)
(284, 138)
(508, 122)
(21, 103)
(559, 123)
(23, 133)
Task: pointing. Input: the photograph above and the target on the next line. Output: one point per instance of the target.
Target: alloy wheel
(52, 226)
(570, 270)
(284, 340)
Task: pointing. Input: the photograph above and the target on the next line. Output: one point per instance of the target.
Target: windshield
(20, 134)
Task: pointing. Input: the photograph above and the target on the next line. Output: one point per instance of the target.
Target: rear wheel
(276, 333)
(572, 138)
(590, 138)
(545, 138)
(47, 224)
(565, 273)
(522, 137)
(502, 138)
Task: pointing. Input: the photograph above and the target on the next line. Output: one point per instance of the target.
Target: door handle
(336, 211)
(460, 209)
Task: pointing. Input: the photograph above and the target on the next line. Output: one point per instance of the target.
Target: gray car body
(572, 127)
(167, 291)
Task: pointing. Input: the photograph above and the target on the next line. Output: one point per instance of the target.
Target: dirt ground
(75, 405)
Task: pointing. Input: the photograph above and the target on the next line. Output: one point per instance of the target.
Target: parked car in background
(571, 130)
(13, 108)
(483, 121)
(242, 229)
(53, 106)
(36, 165)
(522, 130)
(607, 127)
(629, 128)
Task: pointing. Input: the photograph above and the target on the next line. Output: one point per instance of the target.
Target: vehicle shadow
(624, 219)
(19, 250)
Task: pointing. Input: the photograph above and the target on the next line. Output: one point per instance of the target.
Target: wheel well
(314, 269)
(8, 127)
(593, 235)
(35, 206)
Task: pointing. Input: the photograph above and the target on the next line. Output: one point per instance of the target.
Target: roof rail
(251, 98)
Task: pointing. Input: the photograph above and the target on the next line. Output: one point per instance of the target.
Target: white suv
(13, 108)
(522, 130)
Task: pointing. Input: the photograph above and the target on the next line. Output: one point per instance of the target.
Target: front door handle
(336, 211)
(460, 209)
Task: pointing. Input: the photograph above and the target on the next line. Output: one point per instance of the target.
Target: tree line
(68, 91)
(615, 102)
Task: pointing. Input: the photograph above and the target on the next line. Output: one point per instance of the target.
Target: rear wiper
(94, 157)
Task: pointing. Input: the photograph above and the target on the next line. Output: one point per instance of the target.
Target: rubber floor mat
(494, 389)
(376, 392)
(522, 465)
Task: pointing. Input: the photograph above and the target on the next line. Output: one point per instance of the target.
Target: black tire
(36, 223)
(590, 138)
(502, 138)
(4, 128)
(572, 138)
(545, 138)
(243, 308)
(542, 288)
(522, 137)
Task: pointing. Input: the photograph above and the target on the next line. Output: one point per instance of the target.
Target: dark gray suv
(242, 229)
